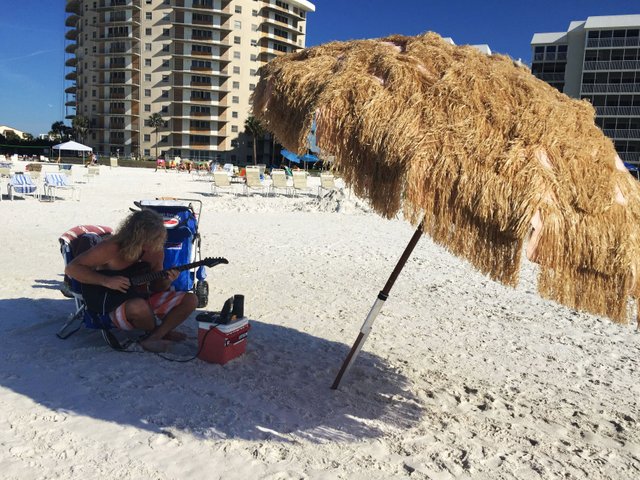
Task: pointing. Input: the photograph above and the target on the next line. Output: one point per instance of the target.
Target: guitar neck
(151, 276)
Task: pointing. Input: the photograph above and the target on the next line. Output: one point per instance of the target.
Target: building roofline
(612, 21)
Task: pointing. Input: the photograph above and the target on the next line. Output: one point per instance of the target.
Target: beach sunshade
(292, 157)
(474, 151)
(73, 146)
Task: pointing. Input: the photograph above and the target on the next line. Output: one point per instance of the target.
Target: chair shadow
(48, 284)
(278, 390)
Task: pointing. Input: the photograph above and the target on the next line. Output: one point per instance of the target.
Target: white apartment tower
(598, 59)
(195, 62)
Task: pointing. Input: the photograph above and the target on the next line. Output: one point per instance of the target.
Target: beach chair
(5, 175)
(181, 218)
(22, 184)
(92, 172)
(72, 243)
(327, 182)
(300, 182)
(221, 181)
(279, 182)
(253, 181)
(54, 182)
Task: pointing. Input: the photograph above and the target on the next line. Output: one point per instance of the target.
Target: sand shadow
(278, 390)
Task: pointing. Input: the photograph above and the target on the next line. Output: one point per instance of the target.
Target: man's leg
(175, 316)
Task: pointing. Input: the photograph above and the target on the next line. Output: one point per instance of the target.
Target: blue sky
(32, 38)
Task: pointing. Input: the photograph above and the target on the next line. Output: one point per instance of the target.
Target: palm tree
(156, 121)
(253, 127)
(80, 126)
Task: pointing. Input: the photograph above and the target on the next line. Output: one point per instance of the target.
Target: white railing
(613, 42)
(618, 111)
(612, 65)
(611, 88)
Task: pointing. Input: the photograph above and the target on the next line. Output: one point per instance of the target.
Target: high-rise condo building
(598, 59)
(195, 62)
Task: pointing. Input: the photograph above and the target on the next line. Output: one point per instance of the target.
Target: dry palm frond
(478, 148)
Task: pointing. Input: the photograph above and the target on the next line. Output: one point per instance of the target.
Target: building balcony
(610, 88)
(71, 48)
(71, 62)
(120, 51)
(202, 7)
(287, 41)
(613, 42)
(282, 25)
(276, 8)
(70, 103)
(550, 77)
(71, 90)
(73, 6)
(114, 23)
(630, 157)
(71, 76)
(618, 111)
(203, 26)
(117, 5)
(71, 34)
(71, 20)
(622, 134)
(611, 65)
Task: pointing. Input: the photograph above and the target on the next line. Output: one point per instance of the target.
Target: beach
(461, 377)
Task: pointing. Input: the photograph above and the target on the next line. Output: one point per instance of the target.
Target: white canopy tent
(72, 146)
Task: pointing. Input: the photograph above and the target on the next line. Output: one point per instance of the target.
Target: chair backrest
(113, 162)
(5, 171)
(49, 168)
(253, 177)
(221, 178)
(57, 180)
(279, 178)
(93, 170)
(262, 167)
(19, 179)
(299, 179)
(327, 181)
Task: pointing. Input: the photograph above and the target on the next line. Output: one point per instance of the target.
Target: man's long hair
(141, 228)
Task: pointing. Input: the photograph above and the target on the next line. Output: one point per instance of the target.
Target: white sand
(460, 378)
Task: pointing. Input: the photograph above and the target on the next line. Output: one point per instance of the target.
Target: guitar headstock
(213, 261)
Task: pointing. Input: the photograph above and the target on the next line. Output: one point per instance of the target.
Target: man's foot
(175, 336)
(155, 346)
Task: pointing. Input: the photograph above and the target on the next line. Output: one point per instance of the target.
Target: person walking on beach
(140, 238)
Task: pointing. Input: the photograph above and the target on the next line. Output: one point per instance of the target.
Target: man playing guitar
(140, 238)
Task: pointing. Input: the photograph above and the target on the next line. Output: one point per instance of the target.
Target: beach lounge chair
(22, 184)
(253, 181)
(221, 181)
(279, 182)
(72, 243)
(54, 182)
(327, 182)
(92, 172)
(5, 174)
(300, 182)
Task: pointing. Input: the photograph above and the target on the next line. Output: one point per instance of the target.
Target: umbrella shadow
(278, 390)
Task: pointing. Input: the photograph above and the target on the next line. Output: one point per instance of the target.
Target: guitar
(103, 300)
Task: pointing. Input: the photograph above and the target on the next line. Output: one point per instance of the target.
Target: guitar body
(103, 300)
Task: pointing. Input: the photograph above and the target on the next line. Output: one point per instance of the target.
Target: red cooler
(222, 342)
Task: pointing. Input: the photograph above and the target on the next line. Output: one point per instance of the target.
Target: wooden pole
(375, 309)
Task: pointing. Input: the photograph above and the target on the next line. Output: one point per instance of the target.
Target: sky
(32, 38)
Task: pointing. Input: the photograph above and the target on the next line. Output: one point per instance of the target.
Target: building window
(236, 70)
(147, 92)
(166, 32)
(238, 9)
(281, 19)
(147, 15)
(252, 86)
(94, 49)
(235, 99)
(165, 47)
(164, 138)
(147, 137)
(147, 77)
(165, 109)
(236, 40)
(147, 31)
(147, 152)
(254, 57)
(93, 93)
(147, 62)
(254, 13)
(236, 55)
(165, 78)
(147, 47)
(253, 72)
(166, 17)
(236, 85)
(234, 129)
(254, 28)
(234, 114)
(165, 63)
(237, 24)
(165, 93)
(147, 108)
(254, 43)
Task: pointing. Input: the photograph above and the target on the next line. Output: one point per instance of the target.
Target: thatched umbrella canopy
(476, 148)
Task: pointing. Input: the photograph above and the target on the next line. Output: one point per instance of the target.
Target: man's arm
(83, 267)
(156, 260)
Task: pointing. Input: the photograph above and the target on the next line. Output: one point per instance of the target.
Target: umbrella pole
(375, 309)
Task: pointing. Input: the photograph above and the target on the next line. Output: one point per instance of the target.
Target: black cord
(204, 339)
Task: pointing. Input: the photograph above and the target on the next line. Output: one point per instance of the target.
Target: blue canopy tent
(292, 157)
(633, 169)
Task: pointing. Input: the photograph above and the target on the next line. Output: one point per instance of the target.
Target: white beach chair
(54, 182)
(327, 182)
(221, 181)
(279, 182)
(300, 182)
(253, 181)
(22, 184)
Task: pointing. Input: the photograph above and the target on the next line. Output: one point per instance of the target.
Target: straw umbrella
(475, 152)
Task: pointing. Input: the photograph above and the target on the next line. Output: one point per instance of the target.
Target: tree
(253, 127)
(59, 131)
(156, 121)
(27, 136)
(11, 136)
(80, 126)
